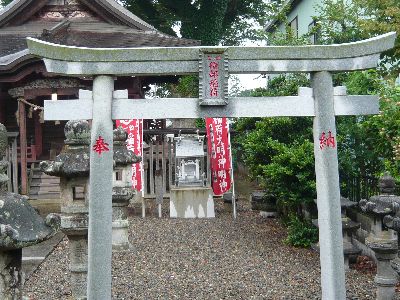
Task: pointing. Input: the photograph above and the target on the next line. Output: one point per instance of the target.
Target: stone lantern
(393, 222)
(190, 197)
(348, 229)
(122, 190)
(383, 241)
(72, 166)
(20, 226)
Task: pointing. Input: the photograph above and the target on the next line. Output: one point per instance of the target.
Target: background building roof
(84, 23)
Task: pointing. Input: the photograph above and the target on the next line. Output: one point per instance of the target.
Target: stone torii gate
(213, 65)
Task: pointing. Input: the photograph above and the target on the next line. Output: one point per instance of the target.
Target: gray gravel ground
(204, 259)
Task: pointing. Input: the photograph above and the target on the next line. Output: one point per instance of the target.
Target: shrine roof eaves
(9, 61)
(120, 28)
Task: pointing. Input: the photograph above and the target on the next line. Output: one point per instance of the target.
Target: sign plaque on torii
(214, 64)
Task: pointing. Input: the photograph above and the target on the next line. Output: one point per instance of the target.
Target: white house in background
(299, 17)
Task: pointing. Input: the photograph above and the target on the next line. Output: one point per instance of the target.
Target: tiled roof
(98, 35)
(93, 32)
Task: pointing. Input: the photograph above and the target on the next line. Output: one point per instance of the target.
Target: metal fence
(357, 188)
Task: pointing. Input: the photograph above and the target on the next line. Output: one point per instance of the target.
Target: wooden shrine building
(25, 84)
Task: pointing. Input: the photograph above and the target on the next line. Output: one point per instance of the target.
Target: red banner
(220, 154)
(134, 128)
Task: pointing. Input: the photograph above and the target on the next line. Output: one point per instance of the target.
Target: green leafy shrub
(301, 233)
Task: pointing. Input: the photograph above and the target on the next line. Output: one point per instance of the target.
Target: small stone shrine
(72, 166)
(383, 241)
(191, 198)
(348, 229)
(122, 190)
(20, 227)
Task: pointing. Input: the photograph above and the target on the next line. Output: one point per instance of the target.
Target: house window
(118, 175)
(78, 193)
(294, 27)
(314, 33)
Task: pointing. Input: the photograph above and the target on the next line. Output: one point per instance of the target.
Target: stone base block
(191, 202)
(120, 235)
(268, 214)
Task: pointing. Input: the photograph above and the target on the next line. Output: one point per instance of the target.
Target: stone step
(38, 181)
(46, 196)
(44, 176)
(44, 184)
(46, 191)
(36, 189)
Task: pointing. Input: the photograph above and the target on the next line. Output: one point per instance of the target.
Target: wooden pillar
(23, 146)
(38, 135)
(2, 107)
(14, 158)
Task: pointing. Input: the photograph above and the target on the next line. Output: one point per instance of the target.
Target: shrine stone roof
(83, 23)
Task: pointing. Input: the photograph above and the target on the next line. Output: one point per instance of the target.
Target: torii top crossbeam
(213, 65)
(185, 60)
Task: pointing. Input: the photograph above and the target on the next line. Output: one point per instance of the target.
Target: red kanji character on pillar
(100, 146)
(330, 141)
(322, 141)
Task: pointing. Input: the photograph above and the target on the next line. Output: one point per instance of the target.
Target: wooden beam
(14, 158)
(3, 97)
(24, 69)
(34, 93)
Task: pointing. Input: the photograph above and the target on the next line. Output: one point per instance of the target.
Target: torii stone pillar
(328, 192)
(213, 68)
(100, 191)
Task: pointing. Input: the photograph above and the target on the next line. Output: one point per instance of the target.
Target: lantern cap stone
(21, 225)
(122, 156)
(386, 203)
(74, 160)
(77, 132)
(387, 184)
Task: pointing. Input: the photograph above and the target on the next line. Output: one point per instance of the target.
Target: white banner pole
(141, 126)
(232, 180)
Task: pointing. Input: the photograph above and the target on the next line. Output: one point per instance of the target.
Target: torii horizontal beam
(185, 60)
(188, 108)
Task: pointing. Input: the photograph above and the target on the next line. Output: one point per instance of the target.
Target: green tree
(343, 21)
(212, 21)
(367, 144)
(279, 151)
(5, 2)
(338, 22)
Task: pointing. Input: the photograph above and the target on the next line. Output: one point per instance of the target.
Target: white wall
(304, 12)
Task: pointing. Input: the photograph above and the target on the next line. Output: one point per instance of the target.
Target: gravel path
(204, 259)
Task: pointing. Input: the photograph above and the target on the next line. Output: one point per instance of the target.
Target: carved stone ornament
(213, 77)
